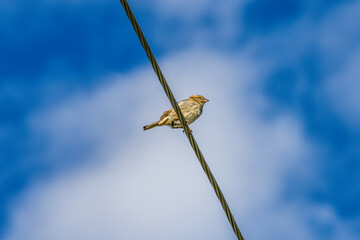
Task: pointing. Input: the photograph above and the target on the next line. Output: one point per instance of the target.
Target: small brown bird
(191, 108)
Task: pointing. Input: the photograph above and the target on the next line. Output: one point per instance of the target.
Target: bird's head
(199, 99)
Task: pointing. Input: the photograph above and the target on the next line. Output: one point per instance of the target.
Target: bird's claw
(187, 122)
(189, 130)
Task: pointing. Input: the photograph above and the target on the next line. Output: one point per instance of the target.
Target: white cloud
(343, 90)
(329, 44)
(149, 185)
(186, 10)
(184, 23)
(340, 40)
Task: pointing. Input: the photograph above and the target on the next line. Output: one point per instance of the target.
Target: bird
(191, 109)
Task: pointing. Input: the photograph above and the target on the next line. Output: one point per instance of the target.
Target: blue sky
(76, 89)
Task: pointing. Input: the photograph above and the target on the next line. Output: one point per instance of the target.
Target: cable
(176, 107)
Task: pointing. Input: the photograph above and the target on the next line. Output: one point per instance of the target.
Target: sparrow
(191, 109)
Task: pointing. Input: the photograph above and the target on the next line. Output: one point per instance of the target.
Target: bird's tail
(147, 127)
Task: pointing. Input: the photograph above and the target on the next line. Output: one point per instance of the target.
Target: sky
(281, 132)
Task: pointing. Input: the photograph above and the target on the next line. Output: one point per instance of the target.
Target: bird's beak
(206, 100)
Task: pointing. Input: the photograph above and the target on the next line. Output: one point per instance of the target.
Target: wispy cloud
(151, 180)
(279, 131)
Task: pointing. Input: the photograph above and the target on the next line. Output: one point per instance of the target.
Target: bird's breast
(191, 112)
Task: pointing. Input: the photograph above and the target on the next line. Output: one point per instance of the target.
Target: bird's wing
(182, 103)
(165, 114)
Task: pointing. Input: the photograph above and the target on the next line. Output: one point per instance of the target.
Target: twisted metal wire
(176, 107)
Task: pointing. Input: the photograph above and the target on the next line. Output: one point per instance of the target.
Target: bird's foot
(189, 131)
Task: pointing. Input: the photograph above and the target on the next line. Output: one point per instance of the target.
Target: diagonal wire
(176, 107)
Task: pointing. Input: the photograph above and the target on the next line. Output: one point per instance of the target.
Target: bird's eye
(199, 97)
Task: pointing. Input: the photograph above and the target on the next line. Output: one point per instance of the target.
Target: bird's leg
(187, 122)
